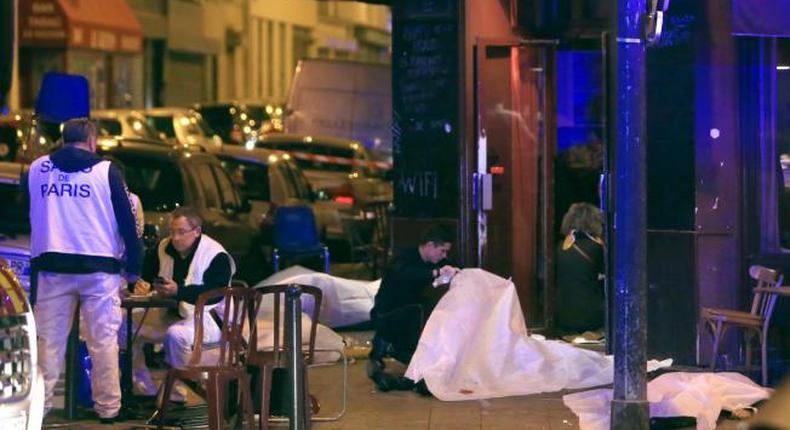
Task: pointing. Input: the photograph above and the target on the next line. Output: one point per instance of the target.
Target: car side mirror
(150, 235)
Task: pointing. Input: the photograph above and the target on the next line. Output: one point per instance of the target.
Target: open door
(512, 187)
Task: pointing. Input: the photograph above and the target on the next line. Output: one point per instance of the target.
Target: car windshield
(108, 126)
(9, 141)
(219, 119)
(163, 124)
(258, 114)
(14, 212)
(157, 182)
(140, 128)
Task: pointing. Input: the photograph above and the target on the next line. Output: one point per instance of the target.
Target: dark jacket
(407, 280)
(580, 297)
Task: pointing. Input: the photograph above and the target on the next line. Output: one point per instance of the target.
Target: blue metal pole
(629, 405)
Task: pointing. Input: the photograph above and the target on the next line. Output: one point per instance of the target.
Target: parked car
(340, 168)
(182, 126)
(270, 179)
(124, 123)
(167, 177)
(24, 138)
(21, 383)
(14, 222)
(240, 123)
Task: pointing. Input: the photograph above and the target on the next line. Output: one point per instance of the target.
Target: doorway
(515, 130)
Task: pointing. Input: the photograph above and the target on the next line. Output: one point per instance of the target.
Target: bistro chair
(755, 322)
(240, 303)
(376, 244)
(296, 236)
(273, 356)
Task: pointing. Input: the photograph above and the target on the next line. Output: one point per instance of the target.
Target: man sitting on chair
(184, 265)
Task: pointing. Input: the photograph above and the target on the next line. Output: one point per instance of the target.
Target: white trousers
(97, 294)
(177, 335)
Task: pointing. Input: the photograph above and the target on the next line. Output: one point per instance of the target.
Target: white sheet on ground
(679, 394)
(475, 346)
(345, 301)
(327, 342)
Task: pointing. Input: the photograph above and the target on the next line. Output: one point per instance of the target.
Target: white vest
(72, 213)
(207, 249)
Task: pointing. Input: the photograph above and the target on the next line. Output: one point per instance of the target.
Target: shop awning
(105, 25)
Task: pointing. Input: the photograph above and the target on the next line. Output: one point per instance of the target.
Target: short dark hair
(78, 130)
(438, 234)
(191, 214)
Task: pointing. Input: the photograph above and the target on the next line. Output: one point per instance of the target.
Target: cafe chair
(380, 246)
(755, 322)
(239, 308)
(273, 356)
(296, 236)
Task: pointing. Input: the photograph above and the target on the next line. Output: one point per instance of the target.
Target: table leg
(126, 380)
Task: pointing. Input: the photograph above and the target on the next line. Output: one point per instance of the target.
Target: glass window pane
(228, 194)
(208, 185)
(158, 183)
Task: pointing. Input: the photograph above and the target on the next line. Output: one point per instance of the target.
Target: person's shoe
(402, 383)
(383, 381)
(422, 389)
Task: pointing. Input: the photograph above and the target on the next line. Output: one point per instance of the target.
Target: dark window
(228, 196)
(208, 186)
(163, 124)
(257, 114)
(9, 142)
(301, 184)
(157, 182)
(14, 211)
(108, 126)
(141, 128)
(251, 178)
(219, 119)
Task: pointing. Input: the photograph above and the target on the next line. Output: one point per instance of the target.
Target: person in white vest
(83, 243)
(184, 265)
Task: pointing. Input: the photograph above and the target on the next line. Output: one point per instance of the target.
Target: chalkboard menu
(425, 108)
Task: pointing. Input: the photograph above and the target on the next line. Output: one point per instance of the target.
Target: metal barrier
(293, 332)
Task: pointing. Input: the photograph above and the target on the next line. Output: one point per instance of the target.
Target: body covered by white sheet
(475, 346)
(679, 394)
(345, 301)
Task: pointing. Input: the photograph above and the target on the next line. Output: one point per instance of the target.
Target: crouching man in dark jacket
(412, 285)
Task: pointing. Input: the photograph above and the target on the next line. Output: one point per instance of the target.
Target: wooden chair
(270, 357)
(239, 306)
(753, 323)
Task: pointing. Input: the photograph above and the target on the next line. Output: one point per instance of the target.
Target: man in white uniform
(83, 239)
(185, 265)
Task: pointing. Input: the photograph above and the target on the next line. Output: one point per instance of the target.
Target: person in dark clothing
(184, 265)
(412, 285)
(580, 296)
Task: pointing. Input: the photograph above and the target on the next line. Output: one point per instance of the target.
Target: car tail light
(344, 200)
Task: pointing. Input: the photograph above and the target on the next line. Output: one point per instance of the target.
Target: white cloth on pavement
(475, 345)
(97, 293)
(678, 394)
(345, 301)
